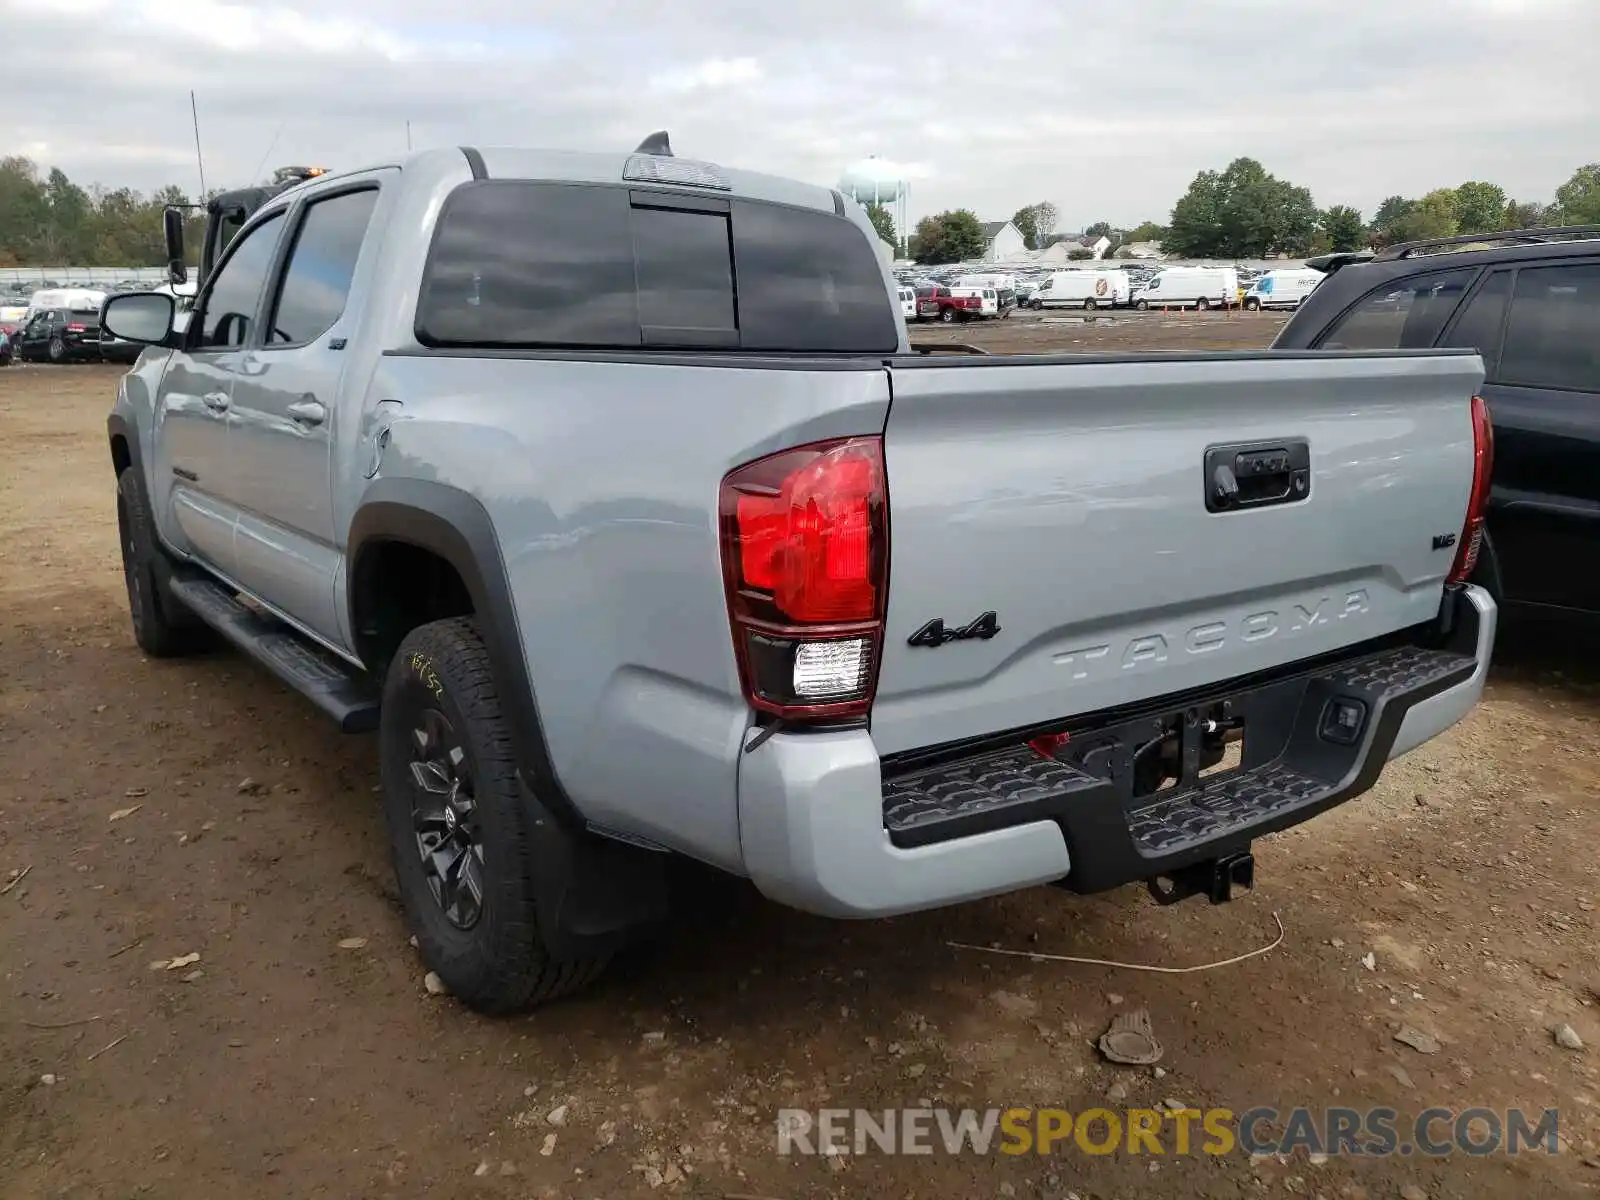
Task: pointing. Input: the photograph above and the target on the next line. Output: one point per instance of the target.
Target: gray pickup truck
(609, 492)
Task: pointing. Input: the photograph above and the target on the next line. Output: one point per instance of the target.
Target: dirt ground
(152, 811)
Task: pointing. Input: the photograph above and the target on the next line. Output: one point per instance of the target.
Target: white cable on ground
(1125, 966)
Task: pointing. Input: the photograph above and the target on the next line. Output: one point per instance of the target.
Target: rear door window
(1551, 338)
(1404, 314)
(516, 263)
(1478, 327)
(321, 266)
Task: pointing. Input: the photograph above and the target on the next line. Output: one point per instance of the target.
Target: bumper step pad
(1289, 773)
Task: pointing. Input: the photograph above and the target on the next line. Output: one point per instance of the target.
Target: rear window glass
(1406, 314)
(545, 264)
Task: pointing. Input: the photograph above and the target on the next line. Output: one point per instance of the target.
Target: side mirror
(142, 317)
(172, 226)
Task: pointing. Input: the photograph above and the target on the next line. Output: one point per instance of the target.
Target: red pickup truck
(937, 304)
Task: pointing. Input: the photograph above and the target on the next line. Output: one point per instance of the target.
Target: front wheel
(459, 829)
(1251, 304)
(1142, 305)
(161, 627)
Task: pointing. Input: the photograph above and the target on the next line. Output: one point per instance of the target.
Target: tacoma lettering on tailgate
(1156, 647)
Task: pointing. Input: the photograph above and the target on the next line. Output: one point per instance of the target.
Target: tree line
(1244, 212)
(46, 220)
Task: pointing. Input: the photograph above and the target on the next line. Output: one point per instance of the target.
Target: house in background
(1066, 248)
(1140, 250)
(1001, 241)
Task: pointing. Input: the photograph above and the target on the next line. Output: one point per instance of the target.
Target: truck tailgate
(1069, 499)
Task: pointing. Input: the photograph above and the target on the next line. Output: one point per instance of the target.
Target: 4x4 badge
(935, 633)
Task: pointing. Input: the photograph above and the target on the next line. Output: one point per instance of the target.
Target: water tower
(875, 181)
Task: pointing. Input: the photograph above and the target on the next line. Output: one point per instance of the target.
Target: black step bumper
(1131, 791)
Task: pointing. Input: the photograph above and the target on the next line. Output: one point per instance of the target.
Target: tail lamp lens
(805, 557)
(1478, 503)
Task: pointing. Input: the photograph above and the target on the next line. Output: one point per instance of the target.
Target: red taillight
(1478, 502)
(805, 545)
(76, 328)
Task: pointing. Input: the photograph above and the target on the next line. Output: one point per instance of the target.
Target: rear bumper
(828, 827)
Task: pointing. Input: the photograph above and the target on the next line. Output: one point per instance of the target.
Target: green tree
(1241, 212)
(1390, 213)
(929, 236)
(883, 222)
(960, 237)
(1035, 222)
(1523, 215)
(1479, 206)
(1146, 231)
(1578, 199)
(1343, 227)
(1434, 216)
(1195, 230)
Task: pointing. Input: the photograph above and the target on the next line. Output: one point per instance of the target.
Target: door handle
(216, 401)
(308, 412)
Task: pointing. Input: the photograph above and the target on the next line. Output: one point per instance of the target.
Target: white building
(1140, 250)
(1001, 241)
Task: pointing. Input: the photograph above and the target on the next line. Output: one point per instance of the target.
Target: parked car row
(59, 325)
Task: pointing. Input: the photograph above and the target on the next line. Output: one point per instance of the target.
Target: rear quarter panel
(602, 481)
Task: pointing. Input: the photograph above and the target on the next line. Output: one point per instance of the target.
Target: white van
(1190, 287)
(1084, 289)
(1282, 289)
(908, 303)
(76, 299)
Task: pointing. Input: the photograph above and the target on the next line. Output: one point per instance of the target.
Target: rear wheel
(948, 316)
(58, 349)
(458, 828)
(1202, 304)
(1089, 305)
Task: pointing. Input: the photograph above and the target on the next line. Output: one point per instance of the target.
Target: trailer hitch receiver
(1215, 878)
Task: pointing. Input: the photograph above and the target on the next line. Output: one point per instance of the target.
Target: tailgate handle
(1257, 474)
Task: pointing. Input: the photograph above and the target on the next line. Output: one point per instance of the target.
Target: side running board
(335, 687)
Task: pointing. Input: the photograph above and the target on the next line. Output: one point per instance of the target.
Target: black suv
(1528, 300)
(60, 335)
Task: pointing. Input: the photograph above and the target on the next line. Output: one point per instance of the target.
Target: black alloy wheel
(444, 818)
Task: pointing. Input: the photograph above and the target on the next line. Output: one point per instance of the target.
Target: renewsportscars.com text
(1347, 1132)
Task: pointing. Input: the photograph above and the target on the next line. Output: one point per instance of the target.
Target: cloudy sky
(1105, 107)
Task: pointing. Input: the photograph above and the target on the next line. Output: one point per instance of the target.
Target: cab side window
(230, 304)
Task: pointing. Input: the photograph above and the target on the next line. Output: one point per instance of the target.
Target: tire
(1036, 305)
(1089, 304)
(57, 350)
(1142, 305)
(948, 316)
(440, 696)
(1251, 304)
(161, 627)
(1202, 304)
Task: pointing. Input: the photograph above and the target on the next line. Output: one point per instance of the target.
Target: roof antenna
(656, 144)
